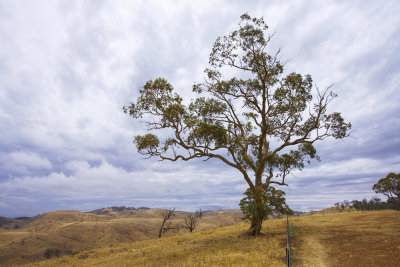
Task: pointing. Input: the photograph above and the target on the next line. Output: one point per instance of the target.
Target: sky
(68, 67)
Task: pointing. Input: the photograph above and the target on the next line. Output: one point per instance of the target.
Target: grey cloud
(67, 68)
(104, 182)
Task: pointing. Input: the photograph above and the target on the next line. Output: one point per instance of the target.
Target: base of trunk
(254, 229)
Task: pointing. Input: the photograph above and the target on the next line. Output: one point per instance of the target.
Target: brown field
(369, 238)
(223, 246)
(25, 241)
(322, 239)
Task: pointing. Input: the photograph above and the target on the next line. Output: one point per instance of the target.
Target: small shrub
(52, 252)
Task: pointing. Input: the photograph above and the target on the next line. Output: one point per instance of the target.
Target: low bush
(51, 252)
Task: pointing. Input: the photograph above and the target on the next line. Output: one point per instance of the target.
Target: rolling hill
(322, 239)
(62, 232)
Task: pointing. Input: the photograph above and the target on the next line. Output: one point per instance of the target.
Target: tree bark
(255, 227)
(257, 220)
(161, 228)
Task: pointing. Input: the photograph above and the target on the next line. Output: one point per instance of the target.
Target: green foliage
(148, 142)
(240, 117)
(389, 186)
(373, 204)
(263, 123)
(272, 200)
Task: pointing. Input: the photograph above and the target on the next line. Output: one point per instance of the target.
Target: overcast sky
(67, 68)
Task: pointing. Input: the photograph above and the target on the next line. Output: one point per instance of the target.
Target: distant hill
(61, 232)
(111, 209)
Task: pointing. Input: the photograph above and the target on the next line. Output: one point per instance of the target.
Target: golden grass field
(322, 239)
(73, 231)
(369, 238)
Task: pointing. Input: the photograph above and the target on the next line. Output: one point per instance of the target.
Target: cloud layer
(68, 67)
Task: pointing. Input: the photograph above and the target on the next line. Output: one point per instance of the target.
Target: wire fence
(289, 247)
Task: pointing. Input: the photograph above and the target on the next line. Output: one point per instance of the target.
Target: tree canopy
(389, 186)
(262, 122)
(273, 200)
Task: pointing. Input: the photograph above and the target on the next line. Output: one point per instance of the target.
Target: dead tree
(166, 224)
(192, 220)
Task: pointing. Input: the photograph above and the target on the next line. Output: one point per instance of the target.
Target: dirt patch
(309, 251)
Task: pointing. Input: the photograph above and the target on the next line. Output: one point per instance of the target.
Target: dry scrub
(348, 239)
(322, 239)
(66, 232)
(224, 246)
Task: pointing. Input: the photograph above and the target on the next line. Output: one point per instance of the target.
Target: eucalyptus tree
(254, 118)
(389, 186)
(273, 201)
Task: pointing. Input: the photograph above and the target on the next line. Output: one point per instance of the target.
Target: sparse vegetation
(112, 209)
(344, 205)
(52, 252)
(192, 220)
(166, 223)
(336, 239)
(73, 231)
(347, 239)
(388, 186)
(373, 204)
(221, 246)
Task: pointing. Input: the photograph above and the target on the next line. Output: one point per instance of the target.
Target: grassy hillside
(321, 239)
(370, 238)
(23, 241)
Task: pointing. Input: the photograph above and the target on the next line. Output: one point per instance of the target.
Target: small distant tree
(388, 186)
(192, 220)
(341, 206)
(394, 203)
(338, 207)
(272, 199)
(166, 223)
(376, 204)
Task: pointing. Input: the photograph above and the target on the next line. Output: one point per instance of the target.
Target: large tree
(258, 121)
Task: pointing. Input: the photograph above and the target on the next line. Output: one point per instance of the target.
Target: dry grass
(347, 239)
(224, 246)
(73, 231)
(322, 239)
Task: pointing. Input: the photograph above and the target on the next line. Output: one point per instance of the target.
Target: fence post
(288, 249)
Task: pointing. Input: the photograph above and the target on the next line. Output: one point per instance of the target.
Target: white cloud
(359, 166)
(85, 182)
(24, 161)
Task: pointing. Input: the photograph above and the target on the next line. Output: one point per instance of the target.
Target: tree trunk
(161, 228)
(255, 227)
(257, 220)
